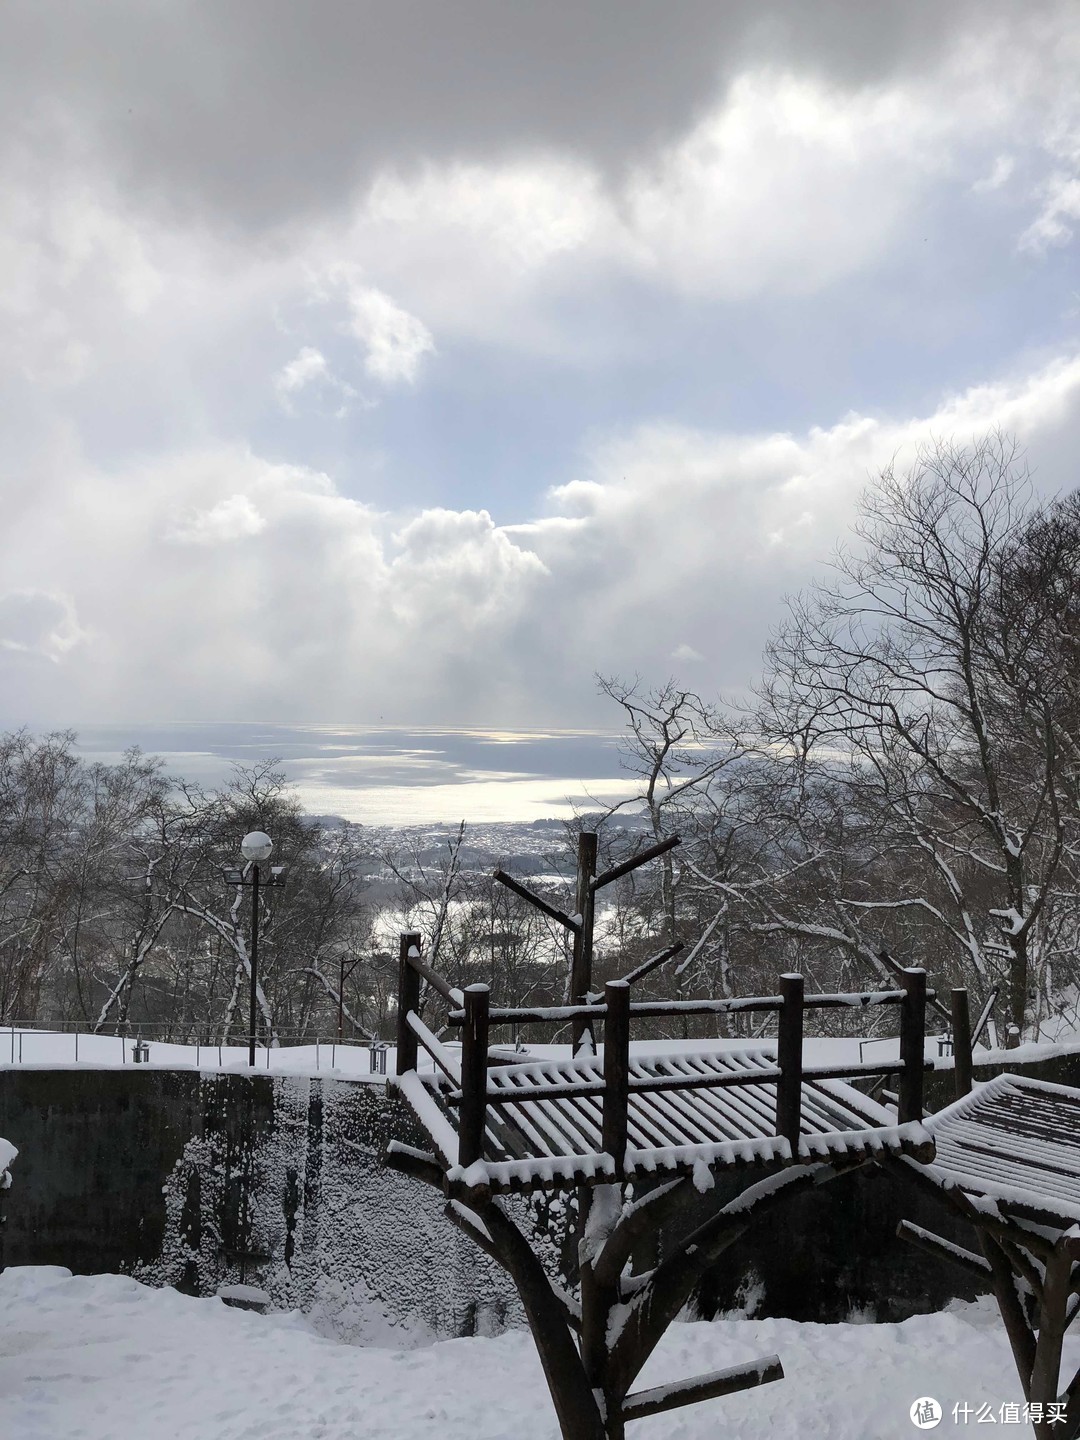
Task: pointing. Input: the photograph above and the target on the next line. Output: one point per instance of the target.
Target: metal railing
(38, 1045)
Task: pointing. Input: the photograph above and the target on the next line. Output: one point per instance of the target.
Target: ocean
(383, 775)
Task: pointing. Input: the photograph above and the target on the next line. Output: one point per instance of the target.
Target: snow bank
(7, 1155)
(103, 1356)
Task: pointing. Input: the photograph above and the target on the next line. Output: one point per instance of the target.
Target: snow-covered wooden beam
(943, 1249)
(642, 858)
(702, 1387)
(568, 922)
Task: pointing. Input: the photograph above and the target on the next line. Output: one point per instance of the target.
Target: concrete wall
(197, 1179)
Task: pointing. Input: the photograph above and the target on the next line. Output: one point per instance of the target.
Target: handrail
(438, 1052)
(436, 981)
(657, 1009)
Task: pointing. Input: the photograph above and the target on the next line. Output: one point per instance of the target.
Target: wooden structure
(1008, 1161)
(631, 1136)
(556, 1124)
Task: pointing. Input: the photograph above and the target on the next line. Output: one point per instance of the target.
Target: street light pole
(253, 1006)
(254, 847)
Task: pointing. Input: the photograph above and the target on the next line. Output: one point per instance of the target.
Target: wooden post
(912, 1044)
(789, 1045)
(581, 969)
(408, 999)
(474, 1064)
(616, 1070)
(961, 1035)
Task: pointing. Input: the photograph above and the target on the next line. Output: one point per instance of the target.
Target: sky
(411, 364)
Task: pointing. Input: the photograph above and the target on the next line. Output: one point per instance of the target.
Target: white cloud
(396, 341)
(39, 622)
(207, 578)
(998, 175)
(289, 598)
(234, 518)
(308, 366)
(310, 370)
(1061, 204)
(788, 183)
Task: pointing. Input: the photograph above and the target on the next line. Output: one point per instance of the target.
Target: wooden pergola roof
(700, 1110)
(1015, 1141)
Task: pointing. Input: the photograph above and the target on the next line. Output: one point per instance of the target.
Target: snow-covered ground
(54, 1049)
(102, 1357)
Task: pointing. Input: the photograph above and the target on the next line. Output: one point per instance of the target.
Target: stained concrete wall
(198, 1179)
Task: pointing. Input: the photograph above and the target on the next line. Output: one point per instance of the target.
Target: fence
(31, 1045)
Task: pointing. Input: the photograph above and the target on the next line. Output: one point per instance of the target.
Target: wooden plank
(654, 962)
(451, 996)
(852, 1072)
(552, 911)
(522, 1015)
(943, 1249)
(658, 1009)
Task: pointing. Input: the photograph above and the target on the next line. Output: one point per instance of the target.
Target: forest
(902, 786)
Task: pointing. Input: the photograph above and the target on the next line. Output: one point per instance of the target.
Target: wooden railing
(473, 1013)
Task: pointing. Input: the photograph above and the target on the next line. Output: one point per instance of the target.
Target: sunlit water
(388, 776)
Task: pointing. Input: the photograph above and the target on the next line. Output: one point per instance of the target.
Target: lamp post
(343, 975)
(254, 847)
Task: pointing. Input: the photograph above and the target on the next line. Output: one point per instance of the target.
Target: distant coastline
(398, 776)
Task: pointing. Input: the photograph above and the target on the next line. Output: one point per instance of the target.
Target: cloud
(308, 366)
(277, 594)
(253, 115)
(234, 518)
(1002, 169)
(39, 622)
(1061, 204)
(396, 342)
(307, 371)
(217, 229)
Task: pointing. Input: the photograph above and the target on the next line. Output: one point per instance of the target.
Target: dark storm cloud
(255, 112)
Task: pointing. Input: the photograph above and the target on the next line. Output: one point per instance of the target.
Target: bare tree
(912, 681)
